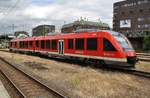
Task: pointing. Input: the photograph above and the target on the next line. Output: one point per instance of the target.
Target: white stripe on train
(78, 55)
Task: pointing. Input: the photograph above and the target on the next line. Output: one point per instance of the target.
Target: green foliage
(147, 42)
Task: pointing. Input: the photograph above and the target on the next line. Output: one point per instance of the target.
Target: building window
(140, 19)
(142, 2)
(131, 12)
(141, 10)
(70, 43)
(42, 44)
(107, 45)
(139, 26)
(116, 7)
(91, 44)
(54, 44)
(80, 44)
(123, 13)
(47, 44)
(37, 44)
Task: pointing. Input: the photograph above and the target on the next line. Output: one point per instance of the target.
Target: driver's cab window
(107, 45)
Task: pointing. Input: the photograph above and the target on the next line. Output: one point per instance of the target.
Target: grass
(19, 59)
(75, 81)
(87, 82)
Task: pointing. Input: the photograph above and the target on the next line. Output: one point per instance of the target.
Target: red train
(105, 47)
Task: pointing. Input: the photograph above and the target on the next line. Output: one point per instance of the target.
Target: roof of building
(39, 26)
(83, 22)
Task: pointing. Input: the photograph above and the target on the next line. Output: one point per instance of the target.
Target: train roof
(23, 39)
(94, 33)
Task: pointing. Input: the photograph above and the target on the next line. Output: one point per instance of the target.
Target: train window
(70, 43)
(30, 43)
(19, 44)
(42, 44)
(47, 44)
(54, 44)
(91, 44)
(80, 44)
(37, 44)
(26, 44)
(10, 44)
(15, 44)
(22, 44)
(108, 45)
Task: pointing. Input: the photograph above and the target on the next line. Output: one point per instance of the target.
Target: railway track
(144, 56)
(26, 85)
(132, 71)
(126, 70)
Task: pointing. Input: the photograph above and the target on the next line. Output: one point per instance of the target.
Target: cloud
(30, 13)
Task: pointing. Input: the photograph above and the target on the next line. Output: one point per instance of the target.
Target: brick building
(82, 24)
(43, 30)
(132, 18)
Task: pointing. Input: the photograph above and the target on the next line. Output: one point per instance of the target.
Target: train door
(61, 47)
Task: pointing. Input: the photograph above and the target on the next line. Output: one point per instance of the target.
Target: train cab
(126, 47)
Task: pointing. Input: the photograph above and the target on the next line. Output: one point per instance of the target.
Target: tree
(147, 42)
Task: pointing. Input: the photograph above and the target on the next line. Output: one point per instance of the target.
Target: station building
(43, 30)
(17, 33)
(132, 18)
(83, 24)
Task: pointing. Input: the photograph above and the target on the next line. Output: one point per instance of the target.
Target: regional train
(102, 46)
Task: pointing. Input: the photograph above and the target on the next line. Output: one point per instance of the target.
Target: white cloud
(31, 14)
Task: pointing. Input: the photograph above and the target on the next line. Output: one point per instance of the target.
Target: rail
(50, 90)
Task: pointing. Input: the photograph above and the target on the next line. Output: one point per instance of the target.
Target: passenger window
(70, 43)
(37, 44)
(107, 45)
(10, 44)
(54, 44)
(19, 44)
(80, 44)
(47, 44)
(42, 44)
(91, 44)
(15, 44)
(30, 43)
(22, 44)
(26, 44)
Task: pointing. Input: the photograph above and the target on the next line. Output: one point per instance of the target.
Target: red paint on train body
(109, 46)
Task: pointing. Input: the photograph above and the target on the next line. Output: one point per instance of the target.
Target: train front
(127, 48)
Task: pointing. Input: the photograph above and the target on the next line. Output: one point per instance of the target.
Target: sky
(23, 15)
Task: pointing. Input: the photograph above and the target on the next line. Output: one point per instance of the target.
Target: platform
(3, 91)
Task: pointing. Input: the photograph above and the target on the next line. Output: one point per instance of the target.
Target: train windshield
(122, 40)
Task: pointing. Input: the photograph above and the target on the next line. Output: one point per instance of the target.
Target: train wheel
(85, 61)
(100, 63)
